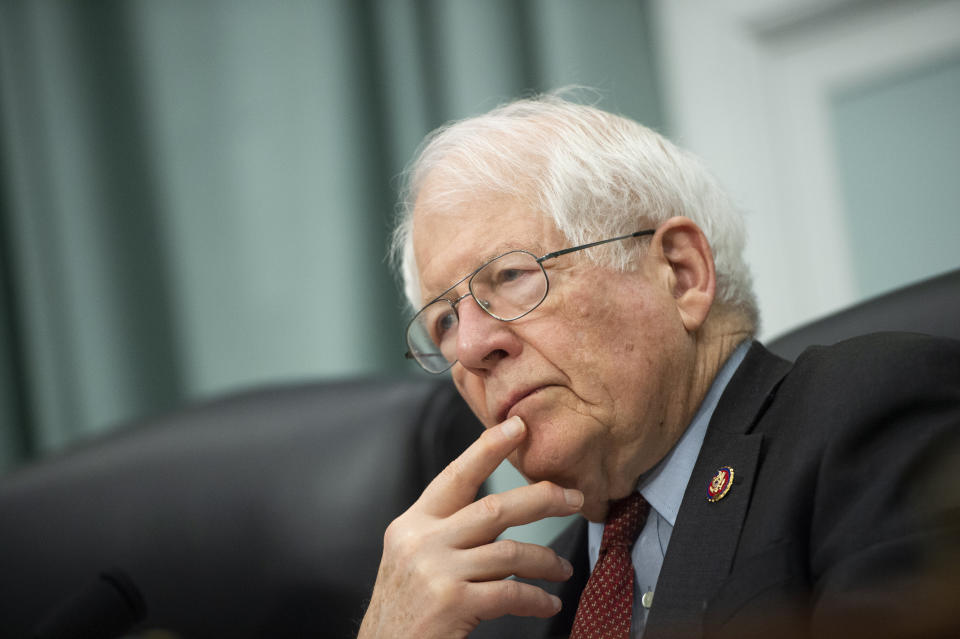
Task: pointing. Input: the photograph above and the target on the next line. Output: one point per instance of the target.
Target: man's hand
(443, 571)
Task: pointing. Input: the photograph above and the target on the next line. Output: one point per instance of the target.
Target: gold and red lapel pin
(720, 484)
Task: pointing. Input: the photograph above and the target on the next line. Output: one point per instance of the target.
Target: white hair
(596, 174)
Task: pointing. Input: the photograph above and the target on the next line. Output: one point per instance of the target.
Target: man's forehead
(451, 242)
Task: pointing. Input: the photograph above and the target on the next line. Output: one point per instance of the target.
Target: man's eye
(443, 324)
(511, 275)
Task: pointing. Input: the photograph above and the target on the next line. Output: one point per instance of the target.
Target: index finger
(458, 483)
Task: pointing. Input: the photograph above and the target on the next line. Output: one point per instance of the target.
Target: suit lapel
(705, 536)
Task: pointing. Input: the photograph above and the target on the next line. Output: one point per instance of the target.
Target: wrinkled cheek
(596, 329)
(580, 312)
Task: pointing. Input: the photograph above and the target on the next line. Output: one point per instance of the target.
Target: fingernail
(567, 567)
(556, 603)
(513, 427)
(574, 497)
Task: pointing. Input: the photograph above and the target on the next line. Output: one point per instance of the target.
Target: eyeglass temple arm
(550, 256)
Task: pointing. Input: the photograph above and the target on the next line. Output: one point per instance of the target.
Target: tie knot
(625, 521)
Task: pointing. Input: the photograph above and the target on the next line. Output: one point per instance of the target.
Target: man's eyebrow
(497, 251)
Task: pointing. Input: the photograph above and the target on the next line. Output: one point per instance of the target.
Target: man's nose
(482, 340)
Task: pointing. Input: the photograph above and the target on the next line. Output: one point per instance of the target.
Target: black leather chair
(931, 307)
(257, 515)
(262, 514)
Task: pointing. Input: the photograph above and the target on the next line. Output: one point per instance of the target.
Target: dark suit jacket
(828, 517)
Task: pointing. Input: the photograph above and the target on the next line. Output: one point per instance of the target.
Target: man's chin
(536, 465)
(595, 512)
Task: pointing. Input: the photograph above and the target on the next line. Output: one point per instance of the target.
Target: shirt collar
(664, 485)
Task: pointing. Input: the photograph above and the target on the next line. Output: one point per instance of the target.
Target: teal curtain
(195, 196)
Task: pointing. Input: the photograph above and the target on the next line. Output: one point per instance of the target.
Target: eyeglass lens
(506, 288)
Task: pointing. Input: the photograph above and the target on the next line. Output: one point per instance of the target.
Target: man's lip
(515, 398)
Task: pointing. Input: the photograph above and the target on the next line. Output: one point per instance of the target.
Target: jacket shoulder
(877, 365)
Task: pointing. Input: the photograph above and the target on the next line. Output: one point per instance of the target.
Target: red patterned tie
(606, 604)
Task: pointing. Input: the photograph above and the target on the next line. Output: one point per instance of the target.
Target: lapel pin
(720, 484)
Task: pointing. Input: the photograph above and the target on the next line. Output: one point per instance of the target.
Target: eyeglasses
(507, 287)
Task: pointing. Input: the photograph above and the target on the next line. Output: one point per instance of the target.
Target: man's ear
(691, 273)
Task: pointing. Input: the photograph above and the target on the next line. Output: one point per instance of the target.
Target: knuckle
(511, 590)
(550, 490)
(454, 471)
(401, 539)
(393, 534)
(441, 591)
(548, 494)
(509, 550)
(492, 506)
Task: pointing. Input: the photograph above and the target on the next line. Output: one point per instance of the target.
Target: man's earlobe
(693, 274)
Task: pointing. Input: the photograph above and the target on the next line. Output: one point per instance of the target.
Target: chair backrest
(931, 307)
(258, 515)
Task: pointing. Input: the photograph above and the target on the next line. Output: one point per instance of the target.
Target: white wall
(791, 104)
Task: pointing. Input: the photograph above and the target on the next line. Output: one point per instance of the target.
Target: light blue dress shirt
(663, 487)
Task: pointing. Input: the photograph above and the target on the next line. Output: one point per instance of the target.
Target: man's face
(596, 371)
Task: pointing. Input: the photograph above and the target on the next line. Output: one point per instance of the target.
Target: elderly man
(583, 280)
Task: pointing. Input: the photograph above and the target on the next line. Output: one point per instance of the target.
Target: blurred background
(195, 196)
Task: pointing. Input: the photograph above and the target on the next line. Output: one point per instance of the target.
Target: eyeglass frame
(469, 276)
